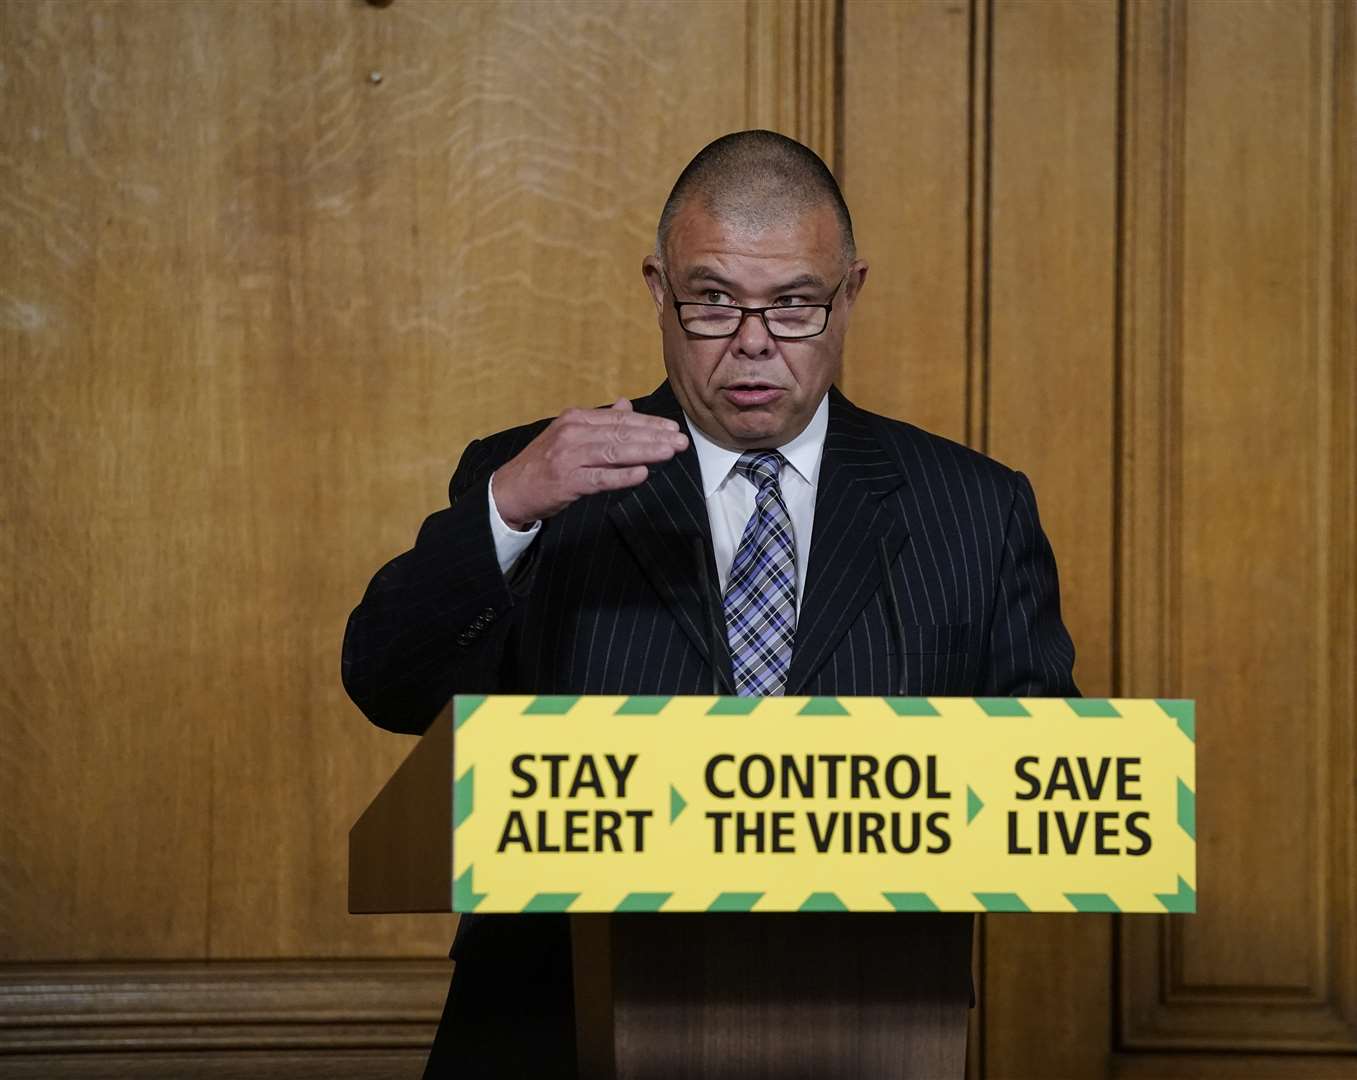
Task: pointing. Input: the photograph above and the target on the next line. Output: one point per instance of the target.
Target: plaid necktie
(760, 599)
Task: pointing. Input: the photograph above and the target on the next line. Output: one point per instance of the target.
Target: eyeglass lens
(719, 321)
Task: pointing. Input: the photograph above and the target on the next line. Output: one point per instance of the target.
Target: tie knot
(762, 467)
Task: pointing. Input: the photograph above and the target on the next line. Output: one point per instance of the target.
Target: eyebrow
(801, 281)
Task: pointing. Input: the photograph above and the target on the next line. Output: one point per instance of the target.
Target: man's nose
(753, 339)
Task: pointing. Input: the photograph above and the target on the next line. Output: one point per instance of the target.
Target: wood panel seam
(793, 83)
(978, 224)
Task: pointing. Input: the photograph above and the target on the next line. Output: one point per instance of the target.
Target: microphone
(709, 610)
(897, 623)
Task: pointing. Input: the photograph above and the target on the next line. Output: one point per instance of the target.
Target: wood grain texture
(906, 156)
(1053, 290)
(503, 170)
(1045, 389)
(220, 1065)
(256, 300)
(790, 997)
(1238, 573)
(792, 71)
(258, 303)
(193, 1008)
(113, 431)
(1232, 1066)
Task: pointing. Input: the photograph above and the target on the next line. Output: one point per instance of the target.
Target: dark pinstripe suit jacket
(607, 600)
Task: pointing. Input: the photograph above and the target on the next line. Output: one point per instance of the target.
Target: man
(744, 526)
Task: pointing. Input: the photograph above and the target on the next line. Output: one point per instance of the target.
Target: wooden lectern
(826, 995)
(816, 994)
(791, 892)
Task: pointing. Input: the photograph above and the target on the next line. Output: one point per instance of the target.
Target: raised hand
(582, 452)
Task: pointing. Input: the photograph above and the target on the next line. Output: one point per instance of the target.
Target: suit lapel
(661, 521)
(852, 517)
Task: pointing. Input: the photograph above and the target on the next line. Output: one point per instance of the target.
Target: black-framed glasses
(789, 322)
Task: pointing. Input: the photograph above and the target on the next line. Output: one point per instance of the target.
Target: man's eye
(790, 301)
(715, 296)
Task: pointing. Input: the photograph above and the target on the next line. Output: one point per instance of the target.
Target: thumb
(621, 405)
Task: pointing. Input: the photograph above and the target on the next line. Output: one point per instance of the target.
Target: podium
(679, 973)
(826, 994)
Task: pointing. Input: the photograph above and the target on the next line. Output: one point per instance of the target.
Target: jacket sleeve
(433, 621)
(1030, 653)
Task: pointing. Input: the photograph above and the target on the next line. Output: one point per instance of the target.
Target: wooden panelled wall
(268, 267)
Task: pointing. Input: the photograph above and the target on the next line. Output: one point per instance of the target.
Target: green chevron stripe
(1183, 902)
(1187, 809)
(677, 804)
(1002, 706)
(1184, 712)
(823, 901)
(734, 706)
(643, 705)
(551, 704)
(823, 706)
(545, 902)
(464, 894)
(463, 706)
(643, 901)
(735, 901)
(1092, 707)
(911, 706)
(973, 804)
(463, 796)
(1001, 901)
(910, 901)
(1092, 902)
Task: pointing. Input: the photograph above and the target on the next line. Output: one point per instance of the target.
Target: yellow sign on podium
(589, 804)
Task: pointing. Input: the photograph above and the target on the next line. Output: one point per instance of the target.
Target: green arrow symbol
(676, 803)
(973, 804)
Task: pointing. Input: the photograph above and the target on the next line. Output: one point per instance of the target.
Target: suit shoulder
(923, 450)
(502, 445)
(484, 455)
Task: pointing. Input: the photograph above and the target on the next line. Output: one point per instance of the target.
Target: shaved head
(754, 233)
(756, 180)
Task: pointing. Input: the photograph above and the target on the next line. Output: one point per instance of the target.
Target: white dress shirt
(729, 497)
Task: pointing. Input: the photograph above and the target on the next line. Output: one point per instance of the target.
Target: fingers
(614, 479)
(623, 453)
(619, 415)
(584, 451)
(592, 428)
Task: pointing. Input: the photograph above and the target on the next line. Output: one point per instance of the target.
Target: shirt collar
(803, 453)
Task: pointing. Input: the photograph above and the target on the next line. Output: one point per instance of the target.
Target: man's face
(753, 390)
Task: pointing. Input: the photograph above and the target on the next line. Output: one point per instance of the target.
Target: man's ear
(857, 278)
(653, 272)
